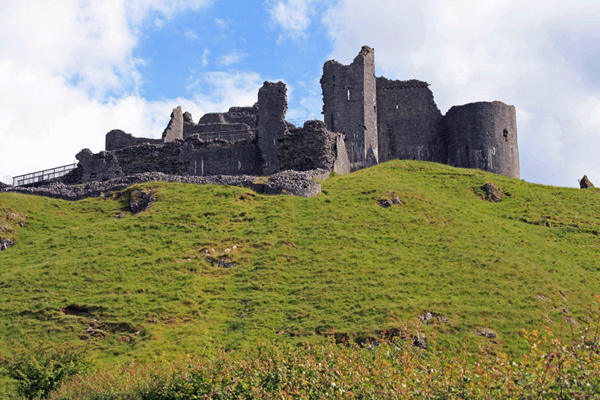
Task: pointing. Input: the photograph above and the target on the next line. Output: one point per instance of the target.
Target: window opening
(348, 94)
(505, 134)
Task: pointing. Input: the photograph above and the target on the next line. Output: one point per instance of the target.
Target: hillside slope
(91, 272)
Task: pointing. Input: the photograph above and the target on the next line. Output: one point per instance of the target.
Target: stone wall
(174, 130)
(98, 167)
(117, 139)
(408, 121)
(220, 157)
(350, 106)
(272, 107)
(313, 147)
(484, 136)
(191, 157)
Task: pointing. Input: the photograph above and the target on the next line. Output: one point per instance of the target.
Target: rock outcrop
(585, 183)
(285, 182)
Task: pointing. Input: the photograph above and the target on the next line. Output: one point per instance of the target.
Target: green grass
(304, 267)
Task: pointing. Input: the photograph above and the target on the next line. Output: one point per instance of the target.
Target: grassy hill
(123, 285)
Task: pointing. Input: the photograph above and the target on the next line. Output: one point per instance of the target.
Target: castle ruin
(367, 120)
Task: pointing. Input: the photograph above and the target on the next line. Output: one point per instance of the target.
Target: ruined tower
(408, 122)
(483, 135)
(272, 107)
(350, 106)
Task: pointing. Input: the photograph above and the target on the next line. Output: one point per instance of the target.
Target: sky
(71, 70)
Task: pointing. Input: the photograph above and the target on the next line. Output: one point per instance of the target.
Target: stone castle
(367, 120)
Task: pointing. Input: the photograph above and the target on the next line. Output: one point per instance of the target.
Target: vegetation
(153, 284)
(40, 370)
(550, 369)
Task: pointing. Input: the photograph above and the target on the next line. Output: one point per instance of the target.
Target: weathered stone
(272, 107)
(483, 135)
(99, 167)
(220, 262)
(408, 122)
(428, 316)
(367, 120)
(313, 147)
(350, 106)
(187, 118)
(286, 182)
(139, 200)
(6, 243)
(385, 203)
(585, 183)
(174, 129)
(492, 192)
(488, 333)
(117, 139)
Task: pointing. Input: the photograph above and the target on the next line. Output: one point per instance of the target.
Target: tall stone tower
(483, 135)
(350, 106)
(272, 107)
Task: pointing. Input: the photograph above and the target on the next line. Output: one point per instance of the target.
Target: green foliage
(40, 370)
(550, 369)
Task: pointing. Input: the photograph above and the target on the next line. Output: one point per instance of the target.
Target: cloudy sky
(71, 70)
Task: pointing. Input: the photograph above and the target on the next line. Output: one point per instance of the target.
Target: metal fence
(232, 136)
(299, 122)
(42, 176)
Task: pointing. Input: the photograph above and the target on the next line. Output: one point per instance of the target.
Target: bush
(40, 370)
(395, 369)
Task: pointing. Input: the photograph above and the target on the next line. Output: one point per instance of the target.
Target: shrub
(40, 370)
(395, 369)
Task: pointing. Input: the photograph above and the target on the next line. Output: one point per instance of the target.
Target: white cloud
(540, 55)
(221, 23)
(205, 55)
(68, 76)
(232, 58)
(292, 16)
(190, 34)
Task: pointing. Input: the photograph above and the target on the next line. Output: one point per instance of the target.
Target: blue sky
(71, 70)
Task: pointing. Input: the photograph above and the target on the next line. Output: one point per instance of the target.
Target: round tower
(483, 135)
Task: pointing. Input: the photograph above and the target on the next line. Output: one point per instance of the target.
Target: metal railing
(42, 176)
(232, 136)
(299, 122)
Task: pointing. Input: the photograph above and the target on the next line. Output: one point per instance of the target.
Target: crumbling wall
(174, 130)
(239, 123)
(98, 167)
(220, 157)
(408, 122)
(350, 106)
(239, 119)
(272, 107)
(117, 139)
(229, 132)
(235, 115)
(190, 157)
(483, 135)
(313, 147)
(151, 158)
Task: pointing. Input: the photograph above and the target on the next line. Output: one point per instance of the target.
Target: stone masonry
(367, 120)
(350, 106)
(409, 124)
